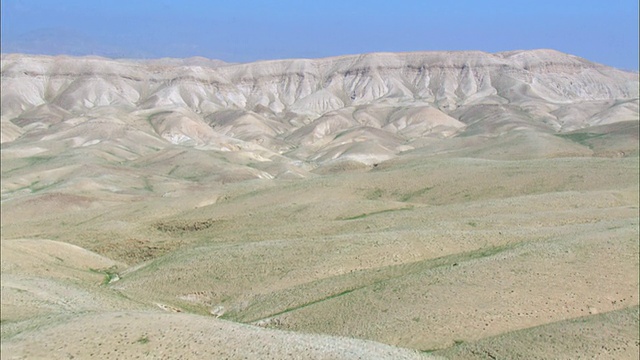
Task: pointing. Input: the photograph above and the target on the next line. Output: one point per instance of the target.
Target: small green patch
(408, 196)
(144, 339)
(355, 217)
(580, 138)
(37, 186)
(428, 351)
(472, 223)
(147, 184)
(35, 160)
(24, 163)
(110, 274)
(374, 213)
(341, 134)
(176, 226)
(375, 194)
(173, 170)
(333, 296)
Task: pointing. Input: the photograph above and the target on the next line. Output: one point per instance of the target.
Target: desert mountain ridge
(303, 114)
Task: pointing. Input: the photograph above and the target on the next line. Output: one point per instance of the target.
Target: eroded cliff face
(303, 109)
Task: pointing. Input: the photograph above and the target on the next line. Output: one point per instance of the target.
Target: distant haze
(243, 31)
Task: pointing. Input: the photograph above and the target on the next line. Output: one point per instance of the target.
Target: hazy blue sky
(604, 31)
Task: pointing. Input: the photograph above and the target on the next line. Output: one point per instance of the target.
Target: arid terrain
(450, 205)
